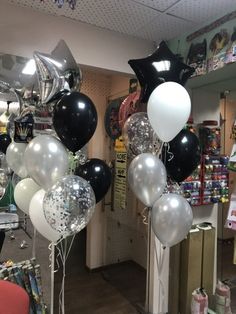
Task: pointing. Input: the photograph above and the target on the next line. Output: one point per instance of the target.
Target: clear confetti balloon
(69, 205)
(139, 136)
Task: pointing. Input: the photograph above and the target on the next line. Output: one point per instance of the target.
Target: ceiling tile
(119, 15)
(170, 27)
(202, 10)
(160, 5)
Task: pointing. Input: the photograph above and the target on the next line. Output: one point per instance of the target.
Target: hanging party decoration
(5, 141)
(75, 120)
(69, 205)
(38, 219)
(168, 110)
(15, 158)
(129, 106)
(162, 66)
(46, 160)
(182, 156)
(98, 175)
(139, 136)
(171, 219)
(111, 119)
(23, 130)
(23, 193)
(147, 178)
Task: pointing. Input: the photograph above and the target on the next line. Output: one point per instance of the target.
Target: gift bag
(199, 303)
(222, 297)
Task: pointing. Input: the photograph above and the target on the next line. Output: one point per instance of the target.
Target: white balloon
(38, 219)
(168, 109)
(23, 193)
(15, 158)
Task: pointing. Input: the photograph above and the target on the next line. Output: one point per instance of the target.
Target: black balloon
(5, 140)
(182, 156)
(162, 66)
(75, 120)
(98, 174)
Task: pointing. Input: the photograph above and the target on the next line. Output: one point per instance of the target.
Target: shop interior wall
(24, 30)
(120, 235)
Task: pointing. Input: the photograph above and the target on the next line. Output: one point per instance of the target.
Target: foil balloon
(98, 175)
(75, 120)
(162, 66)
(46, 160)
(171, 219)
(15, 158)
(168, 110)
(71, 70)
(147, 178)
(129, 106)
(56, 76)
(69, 205)
(38, 219)
(139, 136)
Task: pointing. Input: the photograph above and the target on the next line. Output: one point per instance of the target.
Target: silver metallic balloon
(69, 205)
(147, 178)
(56, 75)
(46, 160)
(15, 158)
(139, 136)
(171, 218)
(71, 69)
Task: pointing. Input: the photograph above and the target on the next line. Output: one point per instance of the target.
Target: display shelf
(218, 80)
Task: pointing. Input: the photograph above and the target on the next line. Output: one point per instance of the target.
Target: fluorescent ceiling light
(29, 68)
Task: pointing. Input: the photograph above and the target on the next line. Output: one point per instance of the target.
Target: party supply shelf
(209, 183)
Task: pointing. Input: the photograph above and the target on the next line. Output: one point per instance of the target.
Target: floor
(118, 289)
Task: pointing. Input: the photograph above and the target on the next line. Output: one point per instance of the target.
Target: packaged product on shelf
(222, 298)
(210, 136)
(199, 303)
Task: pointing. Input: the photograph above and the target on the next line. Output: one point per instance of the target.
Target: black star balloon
(162, 66)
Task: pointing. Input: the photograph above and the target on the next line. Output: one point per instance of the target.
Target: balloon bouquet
(161, 76)
(59, 204)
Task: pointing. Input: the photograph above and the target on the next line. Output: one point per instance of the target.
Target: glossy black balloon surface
(98, 174)
(162, 66)
(183, 155)
(75, 120)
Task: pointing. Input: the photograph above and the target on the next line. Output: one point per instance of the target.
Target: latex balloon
(182, 156)
(147, 178)
(139, 136)
(171, 219)
(98, 175)
(69, 205)
(46, 160)
(5, 141)
(75, 120)
(55, 76)
(168, 110)
(38, 219)
(162, 66)
(23, 193)
(15, 158)
(129, 106)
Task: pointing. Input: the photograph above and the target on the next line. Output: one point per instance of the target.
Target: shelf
(218, 80)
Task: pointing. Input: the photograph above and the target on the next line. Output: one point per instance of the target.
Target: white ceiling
(153, 20)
